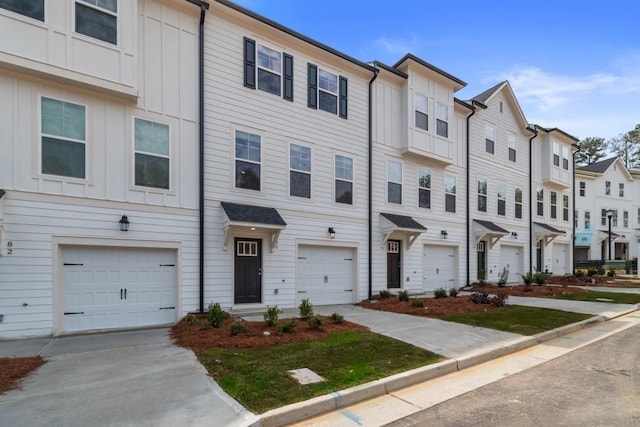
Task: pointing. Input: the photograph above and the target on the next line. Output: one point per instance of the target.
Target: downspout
(203, 9)
(533, 129)
(573, 233)
(370, 260)
(468, 211)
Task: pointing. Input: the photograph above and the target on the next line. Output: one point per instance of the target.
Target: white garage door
(511, 257)
(439, 265)
(325, 275)
(560, 252)
(108, 288)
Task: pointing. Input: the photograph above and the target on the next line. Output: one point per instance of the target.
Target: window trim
(553, 204)
(313, 90)
(489, 142)
(621, 189)
(235, 159)
(607, 188)
(389, 181)
(565, 157)
(133, 185)
(309, 172)
(484, 195)
(445, 108)
(625, 219)
(603, 217)
(583, 188)
(352, 180)
(503, 199)
(31, 19)
(556, 154)
(101, 10)
(512, 144)
(455, 196)
(587, 219)
(565, 207)
(416, 111)
(517, 203)
(540, 202)
(279, 73)
(423, 188)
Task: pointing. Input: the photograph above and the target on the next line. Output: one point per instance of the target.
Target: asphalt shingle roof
(249, 213)
(548, 227)
(599, 167)
(487, 93)
(491, 226)
(404, 221)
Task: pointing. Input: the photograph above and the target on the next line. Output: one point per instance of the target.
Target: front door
(248, 271)
(539, 256)
(482, 260)
(393, 263)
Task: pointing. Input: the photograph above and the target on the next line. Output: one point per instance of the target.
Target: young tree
(627, 147)
(592, 149)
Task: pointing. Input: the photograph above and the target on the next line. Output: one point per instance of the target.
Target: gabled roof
(486, 96)
(254, 214)
(412, 57)
(403, 221)
(599, 167)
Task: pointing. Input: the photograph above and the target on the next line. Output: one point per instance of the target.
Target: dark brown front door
(248, 271)
(393, 263)
(481, 248)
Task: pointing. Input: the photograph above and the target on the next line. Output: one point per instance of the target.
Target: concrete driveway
(125, 378)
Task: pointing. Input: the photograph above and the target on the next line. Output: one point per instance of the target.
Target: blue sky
(572, 64)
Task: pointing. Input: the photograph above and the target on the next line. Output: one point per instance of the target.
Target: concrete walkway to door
(121, 378)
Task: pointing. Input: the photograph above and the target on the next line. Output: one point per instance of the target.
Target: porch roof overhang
(400, 226)
(487, 230)
(251, 218)
(546, 233)
(604, 235)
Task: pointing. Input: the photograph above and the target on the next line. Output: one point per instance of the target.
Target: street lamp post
(609, 216)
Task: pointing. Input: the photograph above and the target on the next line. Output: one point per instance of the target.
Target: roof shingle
(249, 213)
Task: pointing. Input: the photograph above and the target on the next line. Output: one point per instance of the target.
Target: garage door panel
(439, 267)
(511, 257)
(325, 275)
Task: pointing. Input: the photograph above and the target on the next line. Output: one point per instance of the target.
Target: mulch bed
(432, 306)
(534, 291)
(12, 370)
(197, 337)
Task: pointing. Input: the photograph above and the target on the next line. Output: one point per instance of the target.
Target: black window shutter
(249, 63)
(312, 91)
(343, 97)
(288, 77)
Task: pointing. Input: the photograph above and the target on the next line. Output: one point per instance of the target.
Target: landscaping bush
(403, 296)
(579, 273)
(336, 318)
(316, 322)
(503, 277)
(499, 300)
(440, 293)
(528, 279)
(192, 319)
(385, 293)
(611, 272)
(215, 315)
(238, 327)
(271, 316)
(540, 278)
(453, 292)
(306, 309)
(288, 326)
(418, 303)
(592, 271)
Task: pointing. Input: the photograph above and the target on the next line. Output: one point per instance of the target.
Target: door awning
(400, 226)
(604, 234)
(251, 218)
(545, 232)
(487, 230)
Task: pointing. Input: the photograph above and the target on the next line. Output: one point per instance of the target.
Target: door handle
(326, 279)
(260, 271)
(437, 271)
(120, 293)
(125, 293)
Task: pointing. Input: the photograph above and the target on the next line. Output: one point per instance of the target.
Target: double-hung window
(565, 157)
(587, 220)
(63, 138)
(394, 182)
(583, 188)
(518, 203)
(575, 218)
(450, 193)
(98, 19)
(511, 145)
(614, 220)
(248, 160)
(621, 189)
(540, 202)
(603, 217)
(300, 173)
(625, 219)
(553, 202)
(607, 188)
(326, 91)
(442, 120)
(490, 139)
(482, 195)
(152, 150)
(268, 69)
(344, 180)
(421, 105)
(31, 8)
(565, 207)
(556, 154)
(424, 188)
(502, 199)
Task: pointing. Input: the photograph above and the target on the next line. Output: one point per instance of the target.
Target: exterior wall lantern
(332, 233)
(514, 235)
(444, 234)
(124, 223)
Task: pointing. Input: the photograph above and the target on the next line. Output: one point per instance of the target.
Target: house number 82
(10, 248)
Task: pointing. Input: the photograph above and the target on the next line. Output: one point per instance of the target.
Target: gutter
(533, 129)
(203, 9)
(468, 211)
(370, 260)
(573, 232)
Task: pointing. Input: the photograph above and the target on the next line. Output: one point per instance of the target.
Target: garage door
(439, 265)
(511, 257)
(325, 275)
(560, 252)
(108, 288)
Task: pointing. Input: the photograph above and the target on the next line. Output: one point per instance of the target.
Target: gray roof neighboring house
(599, 167)
(255, 214)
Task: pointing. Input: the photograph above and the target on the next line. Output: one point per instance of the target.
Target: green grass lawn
(258, 379)
(616, 297)
(518, 319)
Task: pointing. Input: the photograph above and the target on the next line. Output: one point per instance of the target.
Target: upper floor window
(152, 154)
(603, 217)
(450, 193)
(300, 171)
(98, 19)
(424, 188)
(490, 139)
(614, 220)
(556, 154)
(575, 218)
(394, 182)
(587, 220)
(607, 188)
(268, 69)
(625, 219)
(540, 201)
(482, 195)
(421, 104)
(248, 160)
(511, 144)
(344, 180)
(442, 120)
(63, 137)
(326, 91)
(553, 202)
(621, 189)
(638, 218)
(31, 8)
(502, 199)
(583, 188)
(518, 203)
(565, 207)
(565, 158)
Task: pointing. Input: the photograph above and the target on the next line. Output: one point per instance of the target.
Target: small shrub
(192, 319)
(336, 318)
(271, 316)
(288, 326)
(385, 294)
(306, 309)
(215, 315)
(453, 292)
(417, 303)
(403, 296)
(238, 327)
(316, 322)
(579, 273)
(503, 277)
(540, 278)
(440, 293)
(592, 271)
(499, 300)
(528, 279)
(611, 272)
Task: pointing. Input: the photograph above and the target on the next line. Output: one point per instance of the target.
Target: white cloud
(398, 46)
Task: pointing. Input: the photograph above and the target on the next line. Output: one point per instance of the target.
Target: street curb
(330, 402)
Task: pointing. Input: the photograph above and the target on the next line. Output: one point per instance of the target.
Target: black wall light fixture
(124, 223)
